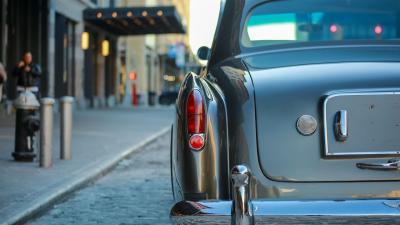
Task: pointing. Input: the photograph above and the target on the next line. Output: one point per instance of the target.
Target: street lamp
(85, 40)
(105, 48)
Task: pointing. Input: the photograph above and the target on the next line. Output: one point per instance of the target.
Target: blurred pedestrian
(28, 75)
(3, 79)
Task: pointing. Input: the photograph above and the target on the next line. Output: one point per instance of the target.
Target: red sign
(132, 75)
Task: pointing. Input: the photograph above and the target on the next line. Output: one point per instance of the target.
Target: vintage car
(295, 119)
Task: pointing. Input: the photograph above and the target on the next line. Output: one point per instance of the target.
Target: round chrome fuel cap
(306, 125)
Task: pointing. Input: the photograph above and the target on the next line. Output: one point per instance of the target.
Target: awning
(136, 20)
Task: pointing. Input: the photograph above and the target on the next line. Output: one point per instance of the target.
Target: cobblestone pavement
(137, 192)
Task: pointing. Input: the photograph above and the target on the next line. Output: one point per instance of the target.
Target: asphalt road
(137, 192)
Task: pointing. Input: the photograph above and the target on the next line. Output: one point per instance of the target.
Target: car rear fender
(202, 174)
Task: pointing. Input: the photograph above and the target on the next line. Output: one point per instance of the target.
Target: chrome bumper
(292, 212)
(242, 211)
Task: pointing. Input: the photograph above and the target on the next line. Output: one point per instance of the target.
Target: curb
(80, 182)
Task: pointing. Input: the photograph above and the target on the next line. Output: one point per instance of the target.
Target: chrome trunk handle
(393, 164)
(341, 126)
(242, 210)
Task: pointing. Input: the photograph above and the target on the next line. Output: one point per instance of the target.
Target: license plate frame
(368, 106)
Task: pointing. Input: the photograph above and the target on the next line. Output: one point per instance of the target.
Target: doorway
(25, 29)
(65, 56)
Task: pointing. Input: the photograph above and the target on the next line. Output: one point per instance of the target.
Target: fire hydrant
(27, 123)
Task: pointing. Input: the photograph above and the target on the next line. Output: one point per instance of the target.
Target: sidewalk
(100, 139)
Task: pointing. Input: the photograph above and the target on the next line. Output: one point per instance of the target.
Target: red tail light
(196, 120)
(196, 141)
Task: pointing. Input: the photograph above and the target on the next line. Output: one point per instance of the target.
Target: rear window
(292, 21)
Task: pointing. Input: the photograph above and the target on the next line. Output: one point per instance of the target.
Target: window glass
(330, 20)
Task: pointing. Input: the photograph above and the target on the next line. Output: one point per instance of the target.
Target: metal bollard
(46, 132)
(66, 126)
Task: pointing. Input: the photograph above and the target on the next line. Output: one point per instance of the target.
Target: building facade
(153, 58)
(133, 70)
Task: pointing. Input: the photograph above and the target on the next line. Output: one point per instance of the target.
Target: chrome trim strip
(377, 211)
(388, 166)
(326, 151)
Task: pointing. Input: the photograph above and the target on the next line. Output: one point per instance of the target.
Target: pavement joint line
(98, 172)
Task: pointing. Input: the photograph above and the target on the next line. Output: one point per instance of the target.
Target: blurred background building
(102, 52)
(157, 62)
